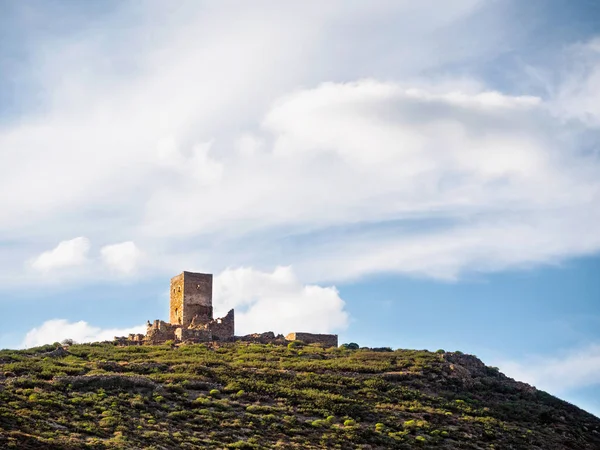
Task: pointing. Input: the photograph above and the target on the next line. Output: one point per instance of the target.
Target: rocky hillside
(274, 396)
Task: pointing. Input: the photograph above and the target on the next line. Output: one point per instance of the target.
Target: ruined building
(326, 340)
(190, 314)
(191, 319)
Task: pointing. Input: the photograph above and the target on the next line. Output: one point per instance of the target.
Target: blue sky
(407, 175)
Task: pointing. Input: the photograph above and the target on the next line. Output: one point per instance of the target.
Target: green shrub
(214, 393)
(260, 409)
(350, 346)
(108, 422)
(416, 424)
(349, 423)
(320, 423)
(242, 445)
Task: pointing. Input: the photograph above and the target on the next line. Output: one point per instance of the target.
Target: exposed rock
(262, 338)
(58, 353)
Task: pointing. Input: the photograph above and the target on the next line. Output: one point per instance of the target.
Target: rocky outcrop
(469, 371)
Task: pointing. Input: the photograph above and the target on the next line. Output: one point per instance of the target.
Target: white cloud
(227, 170)
(122, 258)
(499, 173)
(249, 145)
(66, 254)
(278, 302)
(578, 95)
(559, 374)
(59, 329)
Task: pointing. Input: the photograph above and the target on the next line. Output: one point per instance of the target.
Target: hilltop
(244, 395)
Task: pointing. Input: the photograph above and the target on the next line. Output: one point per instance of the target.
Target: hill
(243, 395)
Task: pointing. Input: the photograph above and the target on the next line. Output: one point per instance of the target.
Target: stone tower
(191, 296)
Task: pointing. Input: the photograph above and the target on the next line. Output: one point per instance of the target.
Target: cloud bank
(427, 175)
(494, 179)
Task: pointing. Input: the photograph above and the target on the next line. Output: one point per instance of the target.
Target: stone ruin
(190, 315)
(191, 320)
(327, 340)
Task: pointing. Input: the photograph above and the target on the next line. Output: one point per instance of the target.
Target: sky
(405, 174)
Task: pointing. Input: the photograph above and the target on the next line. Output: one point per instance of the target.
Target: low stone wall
(262, 338)
(137, 337)
(326, 340)
(125, 341)
(160, 331)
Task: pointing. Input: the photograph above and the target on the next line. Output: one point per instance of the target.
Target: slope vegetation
(274, 396)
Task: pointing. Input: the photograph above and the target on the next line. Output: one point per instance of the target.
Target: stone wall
(176, 303)
(123, 340)
(159, 332)
(136, 337)
(200, 314)
(193, 335)
(191, 296)
(197, 297)
(327, 340)
(223, 329)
